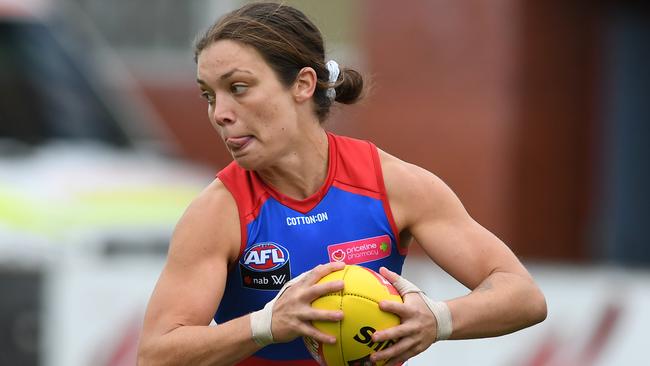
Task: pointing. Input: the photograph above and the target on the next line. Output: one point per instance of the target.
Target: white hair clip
(334, 72)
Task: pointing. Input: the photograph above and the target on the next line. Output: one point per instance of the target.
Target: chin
(247, 162)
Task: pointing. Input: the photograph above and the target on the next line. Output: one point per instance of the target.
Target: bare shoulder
(414, 191)
(205, 241)
(403, 176)
(209, 226)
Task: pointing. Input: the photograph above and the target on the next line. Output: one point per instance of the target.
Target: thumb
(402, 285)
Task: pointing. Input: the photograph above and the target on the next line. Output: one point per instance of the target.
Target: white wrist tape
(439, 309)
(261, 319)
(261, 324)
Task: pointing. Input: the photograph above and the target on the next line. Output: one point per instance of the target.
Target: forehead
(222, 56)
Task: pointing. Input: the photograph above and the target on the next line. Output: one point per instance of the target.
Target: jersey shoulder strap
(358, 167)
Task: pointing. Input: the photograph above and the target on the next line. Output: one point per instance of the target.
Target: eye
(208, 96)
(238, 88)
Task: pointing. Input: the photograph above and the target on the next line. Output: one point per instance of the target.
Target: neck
(302, 171)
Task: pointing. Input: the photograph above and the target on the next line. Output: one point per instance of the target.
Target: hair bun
(350, 86)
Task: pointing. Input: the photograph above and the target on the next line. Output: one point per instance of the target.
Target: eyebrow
(226, 75)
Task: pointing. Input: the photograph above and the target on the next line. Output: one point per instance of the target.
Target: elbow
(142, 358)
(147, 356)
(141, 361)
(537, 305)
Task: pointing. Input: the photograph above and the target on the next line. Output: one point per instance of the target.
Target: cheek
(273, 106)
(270, 115)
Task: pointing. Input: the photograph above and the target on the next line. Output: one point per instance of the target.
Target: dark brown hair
(288, 41)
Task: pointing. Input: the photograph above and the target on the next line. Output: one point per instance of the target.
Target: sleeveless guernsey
(348, 219)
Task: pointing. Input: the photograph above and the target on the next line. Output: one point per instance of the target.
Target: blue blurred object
(625, 216)
(44, 96)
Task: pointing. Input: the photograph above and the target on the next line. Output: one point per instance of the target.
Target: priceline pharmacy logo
(360, 251)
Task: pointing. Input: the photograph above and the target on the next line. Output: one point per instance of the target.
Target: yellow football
(359, 301)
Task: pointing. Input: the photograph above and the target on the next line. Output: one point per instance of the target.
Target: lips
(236, 143)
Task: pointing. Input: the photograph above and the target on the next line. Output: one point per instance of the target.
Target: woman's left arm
(503, 298)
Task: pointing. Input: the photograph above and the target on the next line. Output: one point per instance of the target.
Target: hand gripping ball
(359, 301)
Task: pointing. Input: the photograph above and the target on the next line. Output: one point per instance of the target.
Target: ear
(305, 84)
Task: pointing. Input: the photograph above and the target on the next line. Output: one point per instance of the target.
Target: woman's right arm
(176, 325)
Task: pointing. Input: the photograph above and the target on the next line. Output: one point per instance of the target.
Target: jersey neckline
(307, 204)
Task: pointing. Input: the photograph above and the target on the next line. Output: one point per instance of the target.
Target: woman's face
(253, 112)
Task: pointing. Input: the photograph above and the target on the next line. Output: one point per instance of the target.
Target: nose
(221, 111)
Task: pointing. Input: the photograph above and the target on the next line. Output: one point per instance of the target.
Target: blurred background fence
(536, 113)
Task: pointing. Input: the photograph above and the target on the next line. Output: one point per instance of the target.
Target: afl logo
(264, 257)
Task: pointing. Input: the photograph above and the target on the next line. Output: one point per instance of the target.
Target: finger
(393, 362)
(323, 270)
(400, 309)
(397, 332)
(390, 275)
(401, 359)
(322, 289)
(397, 361)
(312, 332)
(324, 315)
(393, 352)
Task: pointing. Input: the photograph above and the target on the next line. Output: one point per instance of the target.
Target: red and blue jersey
(348, 219)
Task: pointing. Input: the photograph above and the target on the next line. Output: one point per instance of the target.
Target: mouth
(238, 142)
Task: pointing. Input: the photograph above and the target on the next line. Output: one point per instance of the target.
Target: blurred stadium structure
(89, 192)
(535, 113)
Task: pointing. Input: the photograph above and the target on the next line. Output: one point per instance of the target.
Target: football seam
(353, 294)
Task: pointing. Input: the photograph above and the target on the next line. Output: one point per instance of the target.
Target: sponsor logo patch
(360, 251)
(265, 266)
